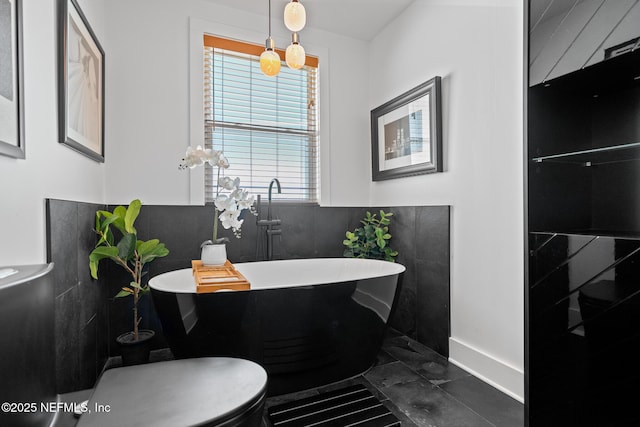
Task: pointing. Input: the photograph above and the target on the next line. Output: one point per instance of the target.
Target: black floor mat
(349, 406)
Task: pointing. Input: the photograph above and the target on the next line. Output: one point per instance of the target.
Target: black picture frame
(12, 129)
(400, 144)
(81, 72)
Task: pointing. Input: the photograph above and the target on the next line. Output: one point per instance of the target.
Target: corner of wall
(489, 369)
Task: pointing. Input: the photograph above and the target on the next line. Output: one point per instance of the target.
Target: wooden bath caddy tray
(214, 278)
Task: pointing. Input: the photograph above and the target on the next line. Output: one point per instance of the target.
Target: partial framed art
(11, 75)
(80, 83)
(406, 133)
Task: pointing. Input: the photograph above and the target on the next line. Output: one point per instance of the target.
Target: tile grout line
(462, 403)
(435, 385)
(388, 399)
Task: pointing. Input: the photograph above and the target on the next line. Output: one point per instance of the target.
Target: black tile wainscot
(420, 234)
(81, 303)
(88, 318)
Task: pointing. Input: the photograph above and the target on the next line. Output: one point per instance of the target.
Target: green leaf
(98, 254)
(146, 247)
(134, 285)
(372, 239)
(158, 251)
(106, 236)
(131, 214)
(118, 221)
(125, 292)
(109, 237)
(127, 246)
(98, 227)
(369, 231)
(93, 267)
(103, 252)
(109, 219)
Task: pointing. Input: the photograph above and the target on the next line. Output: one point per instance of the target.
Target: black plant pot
(135, 352)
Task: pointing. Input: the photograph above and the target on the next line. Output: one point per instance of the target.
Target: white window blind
(266, 126)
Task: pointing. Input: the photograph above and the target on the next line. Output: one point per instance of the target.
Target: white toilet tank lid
(175, 393)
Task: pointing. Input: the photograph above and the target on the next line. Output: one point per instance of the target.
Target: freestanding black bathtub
(307, 321)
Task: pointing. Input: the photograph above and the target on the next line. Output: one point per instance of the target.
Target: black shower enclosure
(582, 136)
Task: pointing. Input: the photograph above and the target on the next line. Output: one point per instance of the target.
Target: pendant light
(270, 60)
(295, 16)
(295, 55)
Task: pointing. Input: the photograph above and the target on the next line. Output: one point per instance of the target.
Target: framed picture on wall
(11, 75)
(80, 83)
(406, 133)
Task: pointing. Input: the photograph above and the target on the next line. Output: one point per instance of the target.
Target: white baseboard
(504, 377)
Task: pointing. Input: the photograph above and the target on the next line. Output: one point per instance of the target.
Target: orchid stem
(215, 215)
(215, 225)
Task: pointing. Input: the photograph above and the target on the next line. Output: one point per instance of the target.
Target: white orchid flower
(228, 206)
(222, 161)
(243, 199)
(245, 202)
(191, 159)
(229, 183)
(201, 154)
(229, 219)
(224, 202)
(236, 194)
(213, 157)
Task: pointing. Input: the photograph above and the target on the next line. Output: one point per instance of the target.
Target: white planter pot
(214, 254)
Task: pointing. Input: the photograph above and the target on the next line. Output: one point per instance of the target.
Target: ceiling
(361, 19)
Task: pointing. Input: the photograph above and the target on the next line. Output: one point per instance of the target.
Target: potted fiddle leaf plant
(118, 241)
(372, 239)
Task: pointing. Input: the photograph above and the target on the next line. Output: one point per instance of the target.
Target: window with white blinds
(266, 126)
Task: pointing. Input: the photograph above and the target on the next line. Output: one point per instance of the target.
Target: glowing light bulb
(270, 63)
(295, 55)
(295, 16)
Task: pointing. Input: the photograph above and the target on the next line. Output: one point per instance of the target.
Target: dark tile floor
(417, 384)
(423, 389)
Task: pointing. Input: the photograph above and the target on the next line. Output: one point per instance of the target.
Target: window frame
(234, 56)
(197, 29)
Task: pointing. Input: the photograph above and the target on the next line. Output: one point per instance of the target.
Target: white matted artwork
(406, 134)
(81, 85)
(11, 91)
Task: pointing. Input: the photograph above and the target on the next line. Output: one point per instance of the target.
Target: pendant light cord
(269, 18)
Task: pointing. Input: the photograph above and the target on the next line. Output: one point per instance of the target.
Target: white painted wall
(476, 47)
(148, 101)
(50, 170)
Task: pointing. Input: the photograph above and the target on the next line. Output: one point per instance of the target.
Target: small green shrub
(372, 239)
